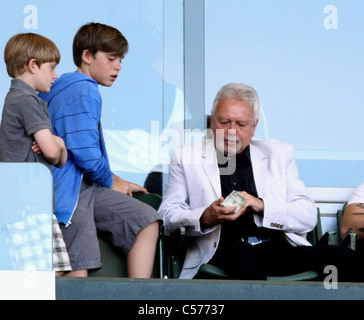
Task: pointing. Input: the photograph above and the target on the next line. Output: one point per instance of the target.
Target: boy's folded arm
(49, 146)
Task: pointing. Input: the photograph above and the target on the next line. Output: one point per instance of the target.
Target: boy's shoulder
(21, 92)
(72, 84)
(76, 80)
(18, 85)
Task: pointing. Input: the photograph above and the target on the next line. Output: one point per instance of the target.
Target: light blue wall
(305, 59)
(148, 95)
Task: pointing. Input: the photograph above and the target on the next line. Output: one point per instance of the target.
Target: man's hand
(255, 204)
(215, 214)
(126, 187)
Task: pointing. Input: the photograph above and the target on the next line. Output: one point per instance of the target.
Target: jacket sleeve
(287, 205)
(176, 208)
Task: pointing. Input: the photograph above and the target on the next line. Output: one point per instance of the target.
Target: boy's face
(104, 68)
(45, 76)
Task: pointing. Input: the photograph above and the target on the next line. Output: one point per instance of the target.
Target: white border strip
(27, 285)
(330, 195)
(329, 155)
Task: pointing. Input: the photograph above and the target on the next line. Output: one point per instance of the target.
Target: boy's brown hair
(96, 37)
(23, 47)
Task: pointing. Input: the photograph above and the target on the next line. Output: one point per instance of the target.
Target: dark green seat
(207, 271)
(114, 259)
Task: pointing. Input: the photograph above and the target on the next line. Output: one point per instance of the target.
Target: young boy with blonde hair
(26, 133)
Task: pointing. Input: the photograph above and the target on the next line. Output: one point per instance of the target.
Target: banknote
(233, 199)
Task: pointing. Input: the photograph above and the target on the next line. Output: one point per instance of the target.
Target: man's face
(233, 126)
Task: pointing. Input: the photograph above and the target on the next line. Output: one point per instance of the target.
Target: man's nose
(232, 126)
(232, 131)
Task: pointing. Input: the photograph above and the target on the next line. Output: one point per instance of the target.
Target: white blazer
(194, 183)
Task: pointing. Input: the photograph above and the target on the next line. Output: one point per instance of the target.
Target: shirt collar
(240, 157)
(245, 155)
(21, 85)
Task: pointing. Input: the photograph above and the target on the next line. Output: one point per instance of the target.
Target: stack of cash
(233, 199)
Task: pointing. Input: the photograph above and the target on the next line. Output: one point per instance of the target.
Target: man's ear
(255, 126)
(86, 56)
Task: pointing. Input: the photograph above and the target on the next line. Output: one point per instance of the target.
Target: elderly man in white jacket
(261, 237)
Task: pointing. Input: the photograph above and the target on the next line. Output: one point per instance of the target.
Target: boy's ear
(86, 56)
(32, 64)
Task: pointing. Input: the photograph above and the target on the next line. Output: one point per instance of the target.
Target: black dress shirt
(242, 180)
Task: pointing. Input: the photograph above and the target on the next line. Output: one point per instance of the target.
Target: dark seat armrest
(174, 252)
(177, 238)
(350, 240)
(327, 238)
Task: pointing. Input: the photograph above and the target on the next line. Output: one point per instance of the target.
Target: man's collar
(245, 155)
(242, 156)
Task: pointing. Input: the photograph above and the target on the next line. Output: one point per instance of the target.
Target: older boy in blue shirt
(90, 198)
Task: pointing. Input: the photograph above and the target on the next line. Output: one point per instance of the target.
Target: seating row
(175, 251)
(26, 189)
(171, 250)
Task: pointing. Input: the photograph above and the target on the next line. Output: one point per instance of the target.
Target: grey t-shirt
(24, 114)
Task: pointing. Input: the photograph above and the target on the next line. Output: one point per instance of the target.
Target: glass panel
(304, 57)
(148, 96)
(26, 206)
(143, 112)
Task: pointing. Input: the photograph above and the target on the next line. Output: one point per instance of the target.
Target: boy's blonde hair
(23, 47)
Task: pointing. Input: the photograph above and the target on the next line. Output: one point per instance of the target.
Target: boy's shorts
(115, 216)
(61, 261)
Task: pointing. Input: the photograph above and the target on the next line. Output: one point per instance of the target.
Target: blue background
(309, 77)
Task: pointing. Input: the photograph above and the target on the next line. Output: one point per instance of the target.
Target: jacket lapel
(259, 163)
(209, 164)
